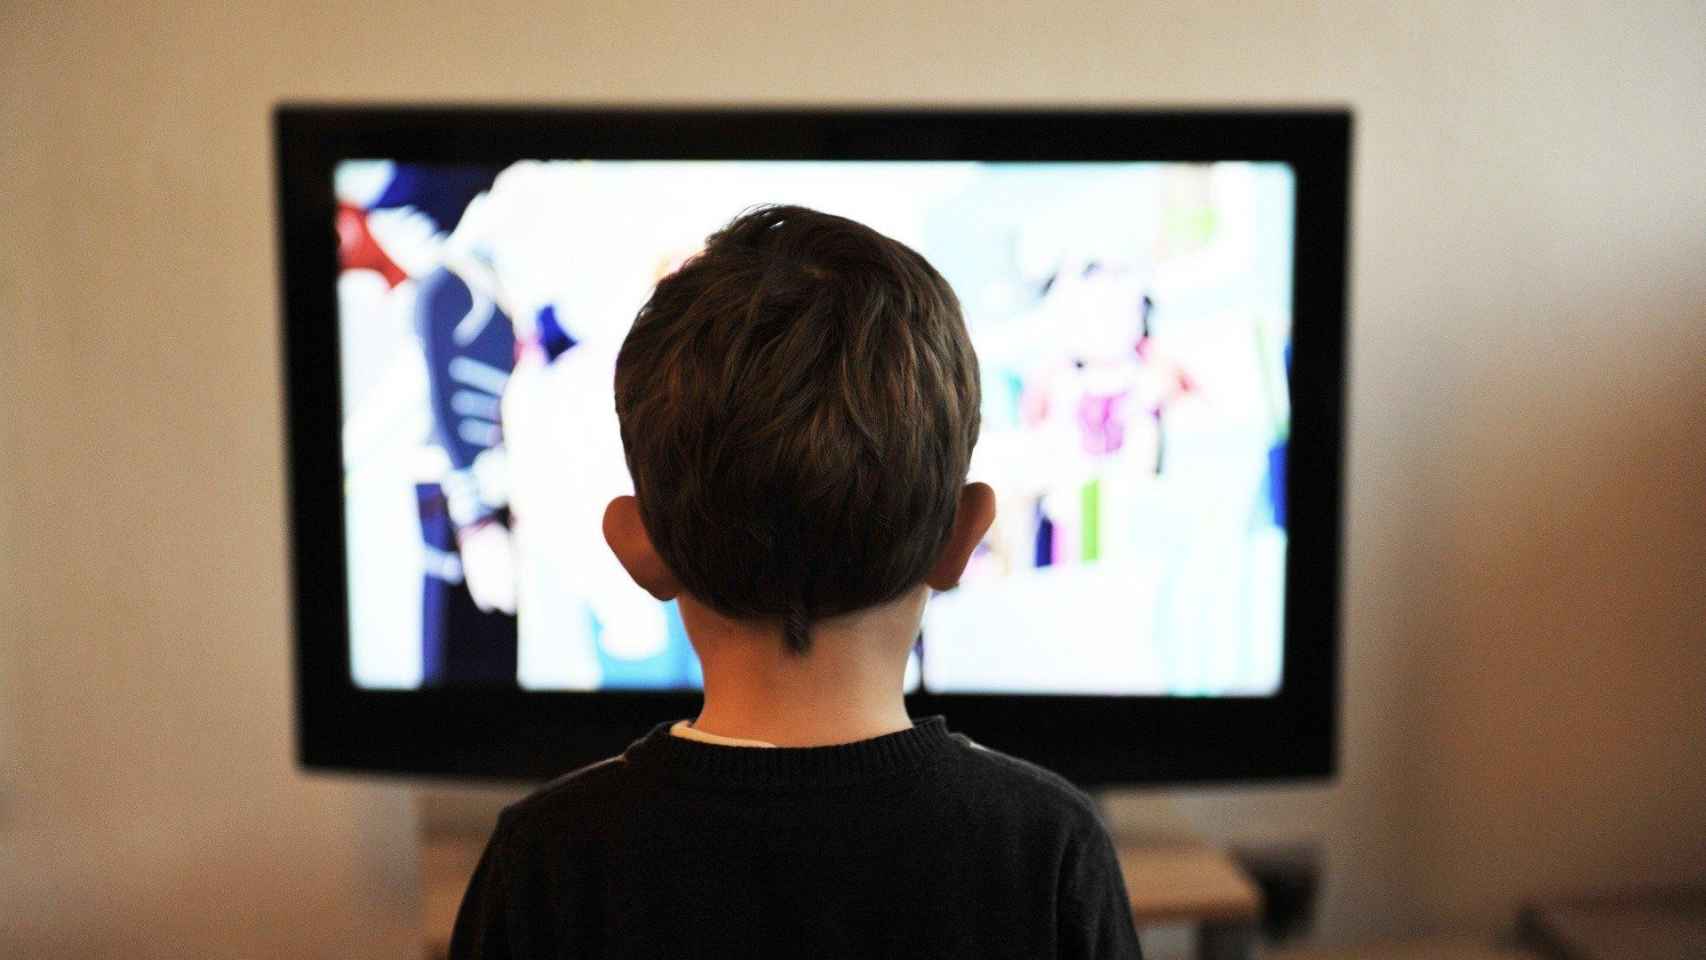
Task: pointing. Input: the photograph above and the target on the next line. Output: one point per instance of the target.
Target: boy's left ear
(628, 539)
(971, 521)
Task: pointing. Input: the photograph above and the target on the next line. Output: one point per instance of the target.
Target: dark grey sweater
(915, 844)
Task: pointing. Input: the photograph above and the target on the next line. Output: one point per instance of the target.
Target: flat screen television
(1157, 299)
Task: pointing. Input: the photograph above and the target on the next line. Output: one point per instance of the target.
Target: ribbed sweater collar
(791, 767)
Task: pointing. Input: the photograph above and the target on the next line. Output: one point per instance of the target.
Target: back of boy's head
(798, 405)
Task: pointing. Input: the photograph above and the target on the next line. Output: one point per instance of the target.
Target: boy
(798, 405)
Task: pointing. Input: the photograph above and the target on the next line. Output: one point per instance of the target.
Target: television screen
(1132, 322)
(1156, 299)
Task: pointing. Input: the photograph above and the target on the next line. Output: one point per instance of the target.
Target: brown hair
(798, 403)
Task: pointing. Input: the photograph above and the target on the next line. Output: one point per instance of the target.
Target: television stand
(1200, 886)
(1174, 877)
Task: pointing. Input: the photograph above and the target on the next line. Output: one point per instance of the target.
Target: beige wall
(1526, 593)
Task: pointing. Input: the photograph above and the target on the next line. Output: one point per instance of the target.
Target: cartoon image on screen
(1133, 326)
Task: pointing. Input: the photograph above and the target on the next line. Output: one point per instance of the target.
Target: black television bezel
(528, 736)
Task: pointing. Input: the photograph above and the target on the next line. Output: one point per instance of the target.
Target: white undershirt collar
(687, 731)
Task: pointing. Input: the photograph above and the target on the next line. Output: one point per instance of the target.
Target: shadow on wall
(1566, 677)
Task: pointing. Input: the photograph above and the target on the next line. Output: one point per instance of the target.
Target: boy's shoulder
(1032, 783)
(589, 793)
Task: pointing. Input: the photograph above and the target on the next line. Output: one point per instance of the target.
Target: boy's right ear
(632, 545)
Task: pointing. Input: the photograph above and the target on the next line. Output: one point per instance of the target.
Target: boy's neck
(848, 687)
